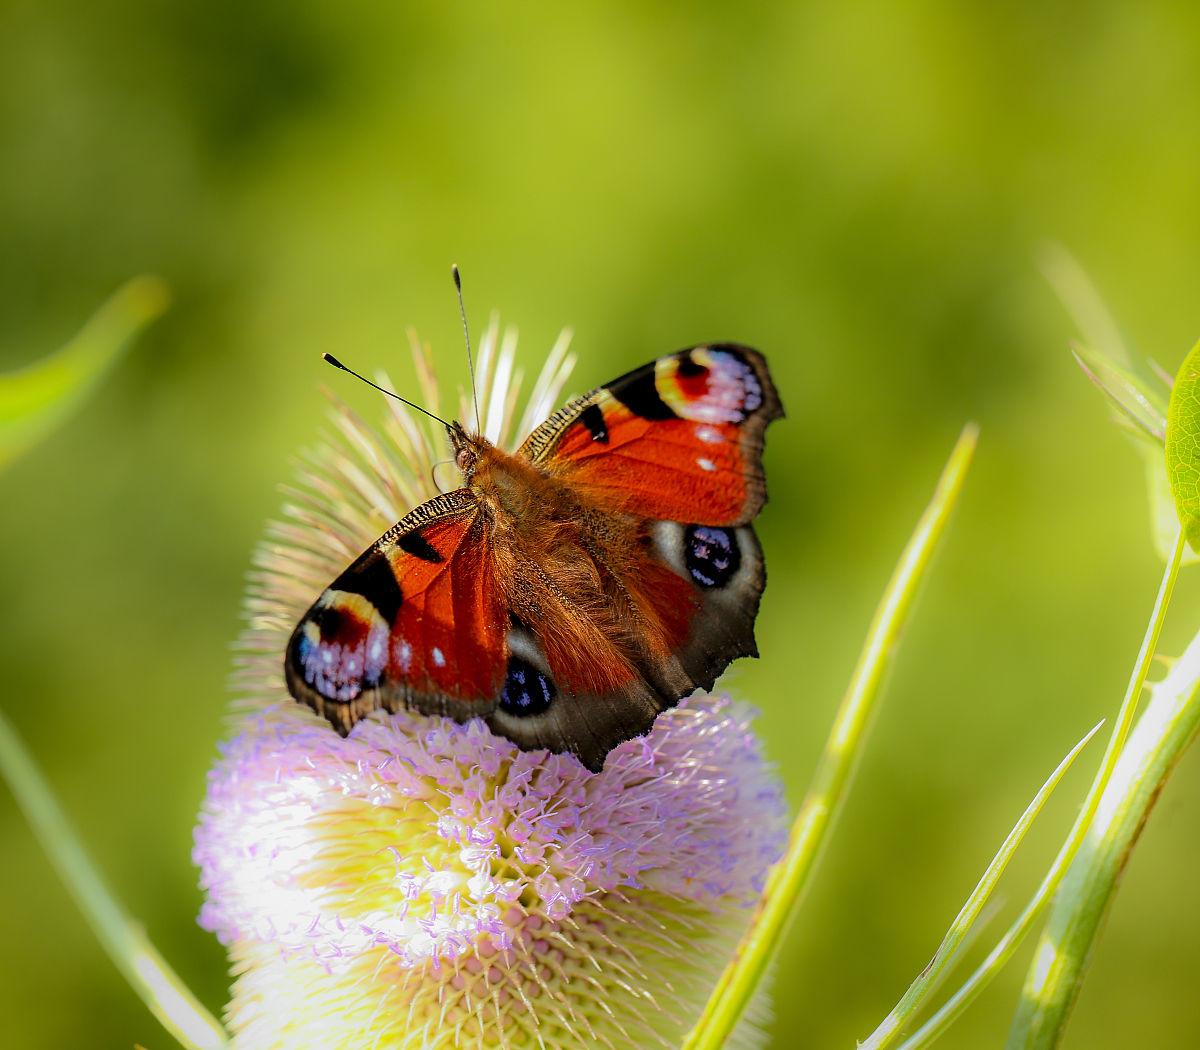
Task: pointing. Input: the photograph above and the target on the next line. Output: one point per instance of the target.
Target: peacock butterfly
(571, 591)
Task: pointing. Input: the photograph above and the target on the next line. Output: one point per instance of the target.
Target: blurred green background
(861, 190)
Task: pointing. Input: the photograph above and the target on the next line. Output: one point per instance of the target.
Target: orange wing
(679, 439)
(417, 619)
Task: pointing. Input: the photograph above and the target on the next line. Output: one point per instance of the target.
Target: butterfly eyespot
(711, 555)
(709, 385)
(527, 691)
(339, 651)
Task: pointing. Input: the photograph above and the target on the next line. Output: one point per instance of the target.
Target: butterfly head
(468, 448)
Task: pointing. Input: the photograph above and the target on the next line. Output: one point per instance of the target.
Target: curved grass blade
(1083, 302)
(126, 943)
(1165, 730)
(789, 878)
(960, 929)
(1137, 406)
(37, 398)
(1138, 396)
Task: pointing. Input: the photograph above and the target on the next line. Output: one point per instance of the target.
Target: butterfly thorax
(563, 564)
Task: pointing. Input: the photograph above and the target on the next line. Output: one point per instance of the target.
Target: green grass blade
(789, 878)
(37, 398)
(1015, 934)
(123, 939)
(1136, 405)
(956, 937)
(1083, 302)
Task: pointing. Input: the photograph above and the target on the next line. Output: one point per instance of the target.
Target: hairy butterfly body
(570, 591)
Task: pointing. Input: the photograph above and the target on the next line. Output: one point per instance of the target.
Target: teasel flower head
(424, 883)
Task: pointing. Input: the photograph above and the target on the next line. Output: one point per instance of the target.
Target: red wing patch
(680, 439)
(417, 618)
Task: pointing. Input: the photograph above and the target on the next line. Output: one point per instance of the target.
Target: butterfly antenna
(338, 364)
(467, 335)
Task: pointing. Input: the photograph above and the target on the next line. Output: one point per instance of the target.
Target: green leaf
(1164, 523)
(39, 397)
(1183, 446)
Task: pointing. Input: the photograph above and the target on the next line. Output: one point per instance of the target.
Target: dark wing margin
(726, 571)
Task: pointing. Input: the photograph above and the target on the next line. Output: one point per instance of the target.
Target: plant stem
(1164, 731)
(126, 943)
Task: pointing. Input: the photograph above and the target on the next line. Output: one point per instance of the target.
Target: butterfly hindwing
(693, 592)
(538, 709)
(723, 567)
(415, 620)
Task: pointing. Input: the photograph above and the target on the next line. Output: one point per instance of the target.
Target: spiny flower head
(425, 884)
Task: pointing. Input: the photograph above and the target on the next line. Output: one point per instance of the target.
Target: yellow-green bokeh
(861, 190)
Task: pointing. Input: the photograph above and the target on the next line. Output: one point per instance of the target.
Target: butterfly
(570, 591)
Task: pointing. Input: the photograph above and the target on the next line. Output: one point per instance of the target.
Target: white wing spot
(709, 435)
(707, 464)
(438, 658)
(377, 647)
(404, 655)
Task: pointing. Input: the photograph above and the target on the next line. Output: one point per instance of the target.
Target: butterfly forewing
(680, 438)
(416, 619)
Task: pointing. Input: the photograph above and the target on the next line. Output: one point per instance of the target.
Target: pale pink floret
(690, 810)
